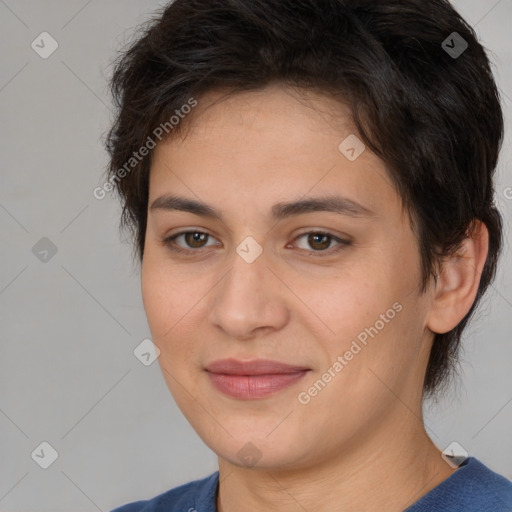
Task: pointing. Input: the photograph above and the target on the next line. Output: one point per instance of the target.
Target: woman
(310, 188)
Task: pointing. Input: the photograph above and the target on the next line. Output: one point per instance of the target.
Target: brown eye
(195, 239)
(319, 242)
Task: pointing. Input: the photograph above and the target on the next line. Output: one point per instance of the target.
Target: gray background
(69, 325)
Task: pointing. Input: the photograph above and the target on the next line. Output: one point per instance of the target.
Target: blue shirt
(472, 488)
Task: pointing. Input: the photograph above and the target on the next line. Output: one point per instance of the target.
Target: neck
(386, 474)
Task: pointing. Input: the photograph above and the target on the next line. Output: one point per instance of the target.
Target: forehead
(282, 104)
(268, 145)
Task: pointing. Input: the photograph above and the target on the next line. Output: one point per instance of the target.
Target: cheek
(349, 301)
(375, 305)
(173, 307)
(163, 297)
(157, 304)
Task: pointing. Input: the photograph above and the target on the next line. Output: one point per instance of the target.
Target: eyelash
(169, 242)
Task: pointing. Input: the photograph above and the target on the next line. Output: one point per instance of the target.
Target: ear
(458, 281)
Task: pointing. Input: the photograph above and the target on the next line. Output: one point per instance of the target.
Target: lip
(254, 367)
(249, 380)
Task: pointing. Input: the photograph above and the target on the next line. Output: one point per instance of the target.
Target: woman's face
(264, 281)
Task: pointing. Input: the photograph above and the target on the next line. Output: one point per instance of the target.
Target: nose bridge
(245, 300)
(243, 288)
(248, 268)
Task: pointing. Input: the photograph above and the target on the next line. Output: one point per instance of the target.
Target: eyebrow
(331, 203)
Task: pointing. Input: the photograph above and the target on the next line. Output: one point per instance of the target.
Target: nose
(249, 300)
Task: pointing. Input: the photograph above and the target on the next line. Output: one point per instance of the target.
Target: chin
(256, 449)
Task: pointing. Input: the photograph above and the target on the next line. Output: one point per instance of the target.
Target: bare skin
(359, 443)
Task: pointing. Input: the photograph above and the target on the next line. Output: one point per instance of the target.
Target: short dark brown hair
(433, 117)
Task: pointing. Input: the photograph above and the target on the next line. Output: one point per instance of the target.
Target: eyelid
(169, 241)
(340, 241)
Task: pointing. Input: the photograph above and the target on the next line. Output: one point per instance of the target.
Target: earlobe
(458, 281)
